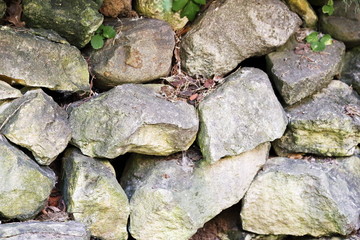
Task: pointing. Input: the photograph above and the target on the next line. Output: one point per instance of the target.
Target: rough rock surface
(133, 118)
(241, 114)
(2, 8)
(41, 59)
(305, 11)
(299, 75)
(344, 24)
(298, 197)
(8, 92)
(215, 45)
(142, 51)
(44, 230)
(350, 72)
(37, 123)
(328, 124)
(170, 198)
(25, 186)
(74, 20)
(113, 8)
(94, 196)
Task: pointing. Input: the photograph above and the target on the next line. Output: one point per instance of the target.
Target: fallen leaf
(193, 97)
(209, 83)
(14, 11)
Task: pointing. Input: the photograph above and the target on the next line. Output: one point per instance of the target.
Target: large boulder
(231, 31)
(298, 75)
(94, 196)
(170, 198)
(350, 72)
(8, 92)
(35, 121)
(141, 52)
(25, 186)
(40, 58)
(241, 114)
(75, 20)
(133, 118)
(44, 230)
(299, 197)
(328, 124)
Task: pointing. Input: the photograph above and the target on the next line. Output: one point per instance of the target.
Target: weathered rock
(172, 197)
(350, 72)
(74, 20)
(44, 230)
(2, 8)
(113, 8)
(37, 123)
(8, 92)
(133, 118)
(304, 9)
(141, 52)
(344, 24)
(94, 196)
(41, 59)
(297, 197)
(328, 124)
(241, 114)
(216, 45)
(297, 76)
(161, 9)
(25, 186)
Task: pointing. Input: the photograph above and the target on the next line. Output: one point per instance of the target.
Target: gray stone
(172, 197)
(37, 123)
(41, 59)
(8, 92)
(344, 24)
(75, 20)
(142, 51)
(133, 118)
(328, 124)
(94, 196)
(350, 72)
(2, 8)
(297, 76)
(24, 185)
(231, 31)
(298, 197)
(241, 114)
(44, 230)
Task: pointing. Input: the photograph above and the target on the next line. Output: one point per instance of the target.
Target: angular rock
(75, 20)
(54, 64)
(141, 52)
(25, 186)
(304, 9)
(94, 196)
(328, 124)
(172, 197)
(8, 92)
(350, 72)
(44, 230)
(133, 118)
(241, 114)
(344, 24)
(160, 9)
(2, 8)
(299, 75)
(298, 197)
(215, 45)
(113, 8)
(37, 123)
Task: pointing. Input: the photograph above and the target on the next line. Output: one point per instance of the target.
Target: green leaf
(330, 3)
(190, 10)
(328, 9)
(109, 32)
(97, 41)
(201, 2)
(317, 46)
(326, 39)
(179, 4)
(312, 37)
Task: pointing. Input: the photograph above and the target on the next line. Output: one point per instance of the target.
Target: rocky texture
(113, 8)
(8, 92)
(215, 45)
(170, 198)
(24, 186)
(350, 72)
(142, 51)
(297, 197)
(133, 118)
(41, 59)
(160, 9)
(37, 123)
(344, 24)
(44, 231)
(328, 124)
(94, 196)
(2, 8)
(305, 11)
(299, 74)
(74, 20)
(241, 114)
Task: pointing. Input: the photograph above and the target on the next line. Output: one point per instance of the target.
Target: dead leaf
(295, 155)
(209, 83)
(193, 97)
(14, 11)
